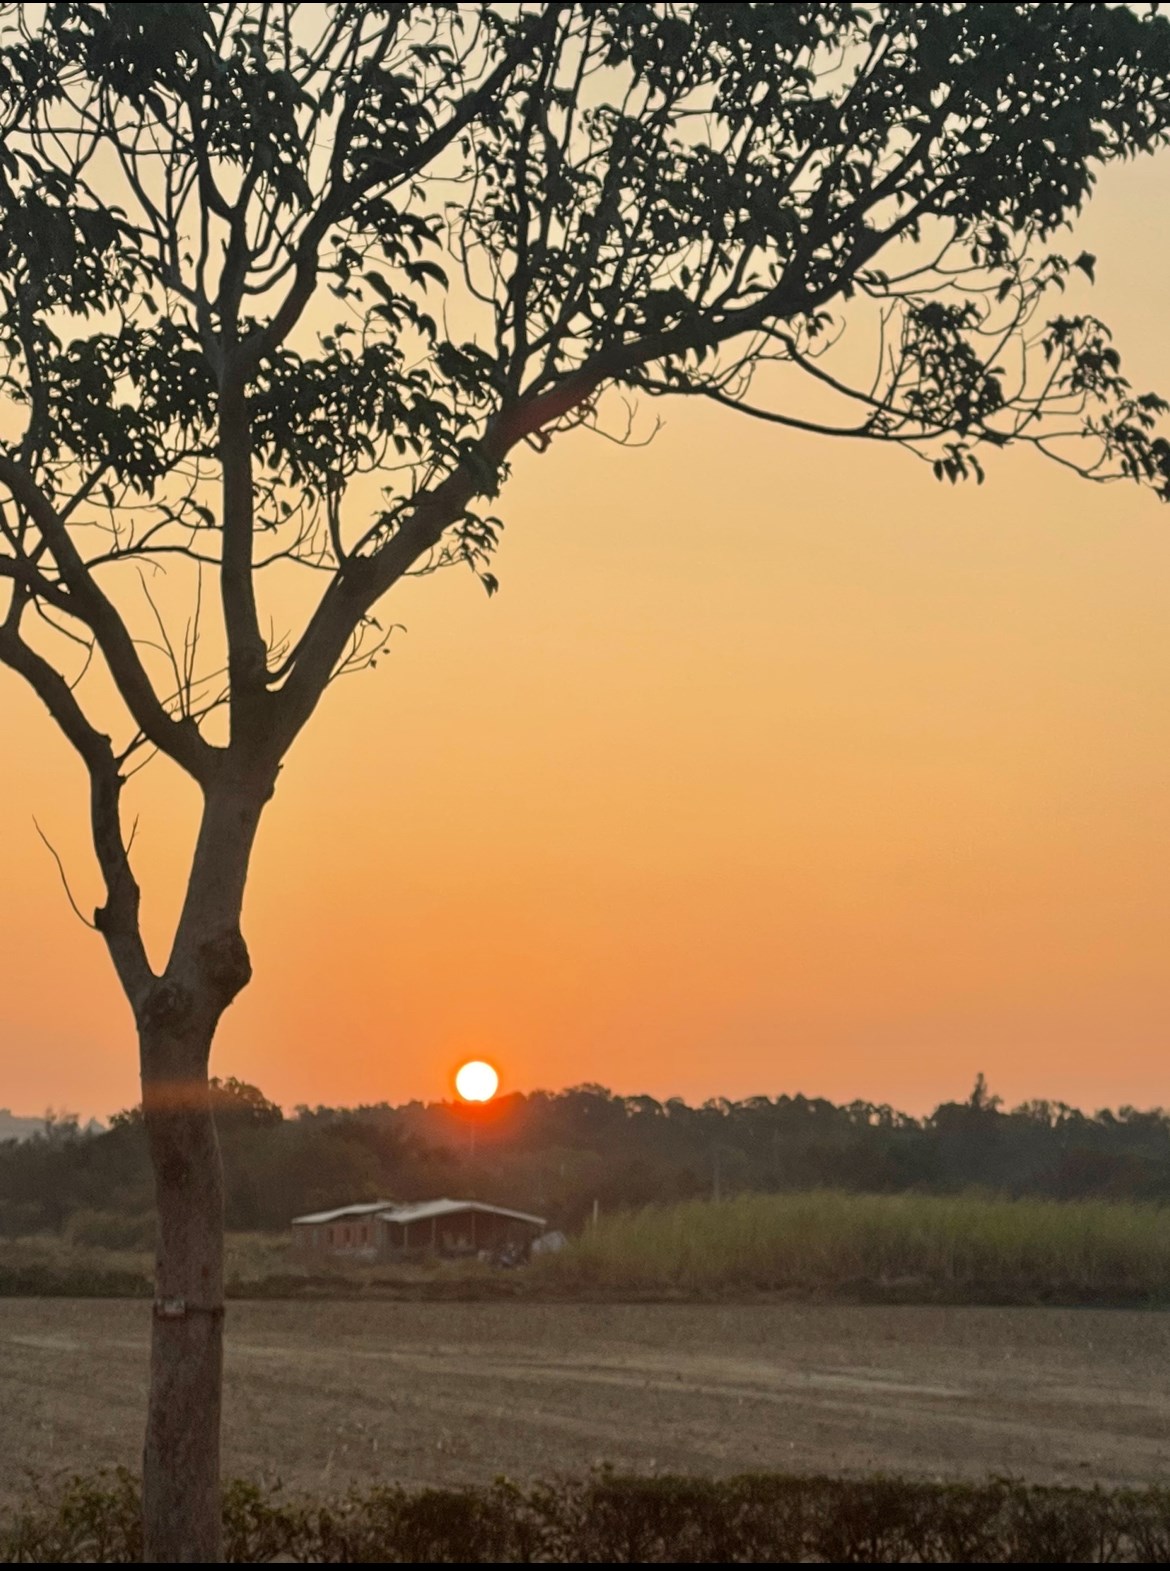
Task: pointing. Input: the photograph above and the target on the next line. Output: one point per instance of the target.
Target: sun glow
(477, 1081)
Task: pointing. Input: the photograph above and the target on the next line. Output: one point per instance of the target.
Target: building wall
(460, 1232)
(347, 1236)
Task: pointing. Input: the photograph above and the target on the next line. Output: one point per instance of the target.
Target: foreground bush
(606, 1518)
(921, 1246)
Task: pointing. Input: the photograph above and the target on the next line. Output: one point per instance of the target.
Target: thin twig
(77, 911)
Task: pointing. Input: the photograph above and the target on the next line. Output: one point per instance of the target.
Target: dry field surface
(322, 1395)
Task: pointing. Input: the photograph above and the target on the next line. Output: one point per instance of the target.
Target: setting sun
(477, 1081)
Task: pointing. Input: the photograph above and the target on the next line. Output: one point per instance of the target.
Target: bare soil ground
(322, 1395)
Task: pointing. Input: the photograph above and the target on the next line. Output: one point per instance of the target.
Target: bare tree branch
(52, 850)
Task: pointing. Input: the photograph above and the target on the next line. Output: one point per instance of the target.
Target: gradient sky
(774, 766)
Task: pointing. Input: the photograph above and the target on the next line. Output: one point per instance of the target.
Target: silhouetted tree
(234, 1103)
(555, 1153)
(674, 198)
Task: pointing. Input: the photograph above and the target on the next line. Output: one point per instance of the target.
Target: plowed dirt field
(323, 1395)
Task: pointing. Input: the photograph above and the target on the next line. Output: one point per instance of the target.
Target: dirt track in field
(322, 1395)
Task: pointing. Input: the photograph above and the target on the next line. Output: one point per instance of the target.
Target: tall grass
(907, 1245)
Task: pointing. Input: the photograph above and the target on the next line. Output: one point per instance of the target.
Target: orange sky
(774, 766)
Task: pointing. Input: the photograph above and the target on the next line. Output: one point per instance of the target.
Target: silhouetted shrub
(95, 1520)
(608, 1518)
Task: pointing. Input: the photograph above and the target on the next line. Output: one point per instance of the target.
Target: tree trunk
(177, 1017)
(180, 1467)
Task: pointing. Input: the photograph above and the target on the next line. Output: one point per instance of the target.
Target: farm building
(348, 1230)
(381, 1229)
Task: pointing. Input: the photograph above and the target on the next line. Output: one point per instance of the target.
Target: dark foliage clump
(621, 1520)
(556, 1152)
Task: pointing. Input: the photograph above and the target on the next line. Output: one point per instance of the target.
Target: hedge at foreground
(759, 1517)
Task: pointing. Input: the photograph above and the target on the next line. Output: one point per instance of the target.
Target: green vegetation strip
(827, 1244)
(607, 1518)
(909, 1246)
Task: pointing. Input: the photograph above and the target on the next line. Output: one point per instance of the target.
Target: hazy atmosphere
(670, 1068)
(774, 765)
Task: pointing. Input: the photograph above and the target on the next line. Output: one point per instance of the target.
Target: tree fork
(177, 1021)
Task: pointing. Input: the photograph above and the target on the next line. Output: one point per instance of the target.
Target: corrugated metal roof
(332, 1216)
(423, 1210)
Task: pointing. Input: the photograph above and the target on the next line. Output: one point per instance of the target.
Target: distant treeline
(557, 1153)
